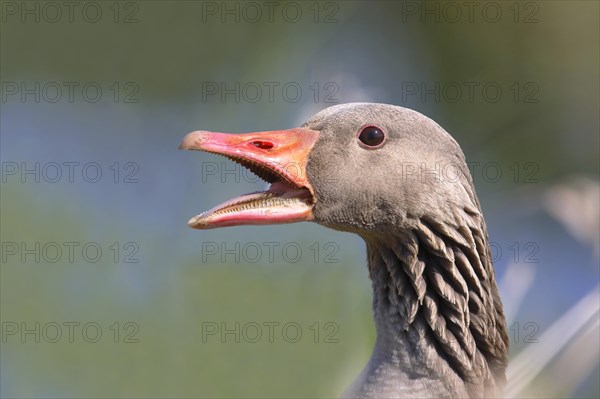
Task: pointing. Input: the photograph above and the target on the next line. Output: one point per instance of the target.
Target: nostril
(265, 145)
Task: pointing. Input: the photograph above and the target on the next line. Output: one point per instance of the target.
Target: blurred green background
(165, 68)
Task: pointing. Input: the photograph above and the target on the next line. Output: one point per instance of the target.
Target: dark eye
(371, 136)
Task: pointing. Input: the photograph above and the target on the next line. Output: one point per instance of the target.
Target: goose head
(362, 167)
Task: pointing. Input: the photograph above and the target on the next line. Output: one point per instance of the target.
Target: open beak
(278, 157)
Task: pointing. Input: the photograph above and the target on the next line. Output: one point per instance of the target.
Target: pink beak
(280, 157)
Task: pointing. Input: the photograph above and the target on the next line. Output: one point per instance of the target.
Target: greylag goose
(400, 181)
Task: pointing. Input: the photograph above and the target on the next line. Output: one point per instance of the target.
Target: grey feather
(441, 329)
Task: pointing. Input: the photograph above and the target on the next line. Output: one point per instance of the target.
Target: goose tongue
(278, 157)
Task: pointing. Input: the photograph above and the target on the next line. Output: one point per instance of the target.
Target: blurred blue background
(516, 84)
